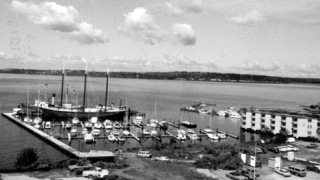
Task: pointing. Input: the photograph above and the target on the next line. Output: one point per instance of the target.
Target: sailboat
(27, 119)
(84, 112)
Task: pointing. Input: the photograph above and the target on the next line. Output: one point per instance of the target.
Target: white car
(98, 172)
(283, 172)
(162, 158)
(292, 148)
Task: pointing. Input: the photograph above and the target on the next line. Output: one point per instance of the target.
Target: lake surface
(159, 99)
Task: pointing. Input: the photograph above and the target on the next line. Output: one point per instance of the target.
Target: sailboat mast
(85, 89)
(62, 86)
(106, 99)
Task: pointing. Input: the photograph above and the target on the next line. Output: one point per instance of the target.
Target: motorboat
(47, 125)
(93, 120)
(222, 135)
(193, 137)
(153, 123)
(138, 119)
(97, 125)
(88, 138)
(107, 124)
(190, 131)
(88, 125)
(163, 125)
(121, 139)
(117, 125)
(146, 132)
(181, 137)
(16, 111)
(126, 132)
(181, 131)
(234, 115)
(208, 131)
(204, 111)
(111, 137)
(27, 119)
(75, 121)
(116, 132)
(37, 120)
(73, 131)
(223, 113)
(37, 125)
(213, 136)
(188, 124)
(153, 132)
(68, 125)
(96, 132)
(84, 131)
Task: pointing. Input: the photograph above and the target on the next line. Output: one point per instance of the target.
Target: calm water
(158, 98)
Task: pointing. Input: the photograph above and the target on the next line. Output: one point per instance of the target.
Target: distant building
(298, 124)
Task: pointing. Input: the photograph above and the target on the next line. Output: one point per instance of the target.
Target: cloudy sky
(269, 37)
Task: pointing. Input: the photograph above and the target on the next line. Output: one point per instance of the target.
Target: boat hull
(63, 114)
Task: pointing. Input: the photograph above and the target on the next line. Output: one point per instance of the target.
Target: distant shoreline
(177, 75)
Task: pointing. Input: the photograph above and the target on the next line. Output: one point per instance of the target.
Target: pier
(60, 145)
(227, 134)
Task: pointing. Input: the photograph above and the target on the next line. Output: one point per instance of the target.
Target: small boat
(153, 132)
(153, 123)
(73, 131)
(190, 131)
(117, 125)
(121, 139)
(146, 132)
(98, 125)
(16, 111)
(47, 125)
(188, 124)
(75, 121)
(112, 138)
(84, 131)
(223, 113)
(88, 138)
(181, 131)
(126, 132)
(181, 137)
(93, 120)
(37, 120)
(213, 136)
(96, 132)
(138, 119)
(27, 119)
(163, 125)
(107, 124)
(207, 130)
(204, 111)
(116, 132)
(37, 125)
(193, 137)
(222, 135)
(88, 125)
(234, 115)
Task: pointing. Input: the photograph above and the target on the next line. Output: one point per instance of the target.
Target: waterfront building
(298, 124)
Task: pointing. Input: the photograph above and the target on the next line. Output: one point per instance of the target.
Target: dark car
(249, 173)
(273, 149)
(314, 168)
(236, 176)
(312, 146)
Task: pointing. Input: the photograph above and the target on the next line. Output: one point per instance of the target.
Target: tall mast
(85, 88)
(62, 86)
(106, 99)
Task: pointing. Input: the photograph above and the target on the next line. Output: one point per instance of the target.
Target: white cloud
(184, 34)
(178, 7)
(304, 68)
(65, 19)
(258, 67)
(181, 61)
(139, 24)
(253, 16)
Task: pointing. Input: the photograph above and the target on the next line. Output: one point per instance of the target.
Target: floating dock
(108, 155)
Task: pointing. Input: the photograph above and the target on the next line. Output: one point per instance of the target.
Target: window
(309, 132)
(273, 116)
(309, 120)
(309, 126)
(283, 117)
(263, 115)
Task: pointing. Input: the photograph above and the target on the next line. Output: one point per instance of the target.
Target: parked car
(144, 154)
(283, 172)
(297, 170)
(273, 149)
(312, 146)
(292, 148)
(314, 168)
(97, 172)
(283, 149)
(291, 140)
(236, 176)
(248, 172)
(80, 167)
(162, 158)
(256, 150)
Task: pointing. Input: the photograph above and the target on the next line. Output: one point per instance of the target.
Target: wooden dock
(60, 145)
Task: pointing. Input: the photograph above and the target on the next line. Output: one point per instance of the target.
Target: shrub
(26, 158)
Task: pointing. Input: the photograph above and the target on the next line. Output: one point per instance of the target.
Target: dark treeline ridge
(176, 75)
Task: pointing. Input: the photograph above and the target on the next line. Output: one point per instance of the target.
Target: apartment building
(298, 124)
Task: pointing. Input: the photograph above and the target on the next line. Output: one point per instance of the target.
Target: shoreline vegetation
(176, 75)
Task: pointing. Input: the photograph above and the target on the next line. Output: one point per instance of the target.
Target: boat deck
(60, 145)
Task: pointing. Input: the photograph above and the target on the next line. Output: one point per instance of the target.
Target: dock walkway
(60, 145)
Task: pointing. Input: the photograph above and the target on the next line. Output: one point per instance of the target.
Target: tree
(281, 137)
(26, 157)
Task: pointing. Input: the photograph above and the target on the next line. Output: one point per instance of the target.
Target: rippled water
(169, 97)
